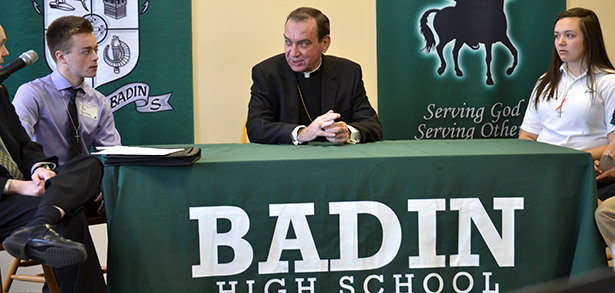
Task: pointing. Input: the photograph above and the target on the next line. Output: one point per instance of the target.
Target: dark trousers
(73, 189)
(606, 190)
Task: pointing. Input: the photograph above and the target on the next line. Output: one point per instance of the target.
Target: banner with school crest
(460, 69)
(144, 66)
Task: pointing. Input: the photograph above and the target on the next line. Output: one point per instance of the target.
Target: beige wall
(229, 37)
(605, 9)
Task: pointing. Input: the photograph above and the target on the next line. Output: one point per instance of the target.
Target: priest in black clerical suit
(304, 95)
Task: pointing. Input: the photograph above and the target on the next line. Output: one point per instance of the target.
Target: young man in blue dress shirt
(43, 104)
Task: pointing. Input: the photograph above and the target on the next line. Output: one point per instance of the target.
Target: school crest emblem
(116, 27)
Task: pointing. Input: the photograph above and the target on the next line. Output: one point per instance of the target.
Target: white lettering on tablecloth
(375, 282)
(470, 210)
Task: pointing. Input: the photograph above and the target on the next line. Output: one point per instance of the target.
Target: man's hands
(607, 174)
(101, 208)
(41, 175)
(325, 126)
(35, 187)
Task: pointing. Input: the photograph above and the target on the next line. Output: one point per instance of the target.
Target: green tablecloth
(440, 214)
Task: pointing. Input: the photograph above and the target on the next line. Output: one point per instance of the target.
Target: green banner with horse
(460, 69)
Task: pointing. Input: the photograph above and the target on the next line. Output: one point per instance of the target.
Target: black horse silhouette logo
(470, 22)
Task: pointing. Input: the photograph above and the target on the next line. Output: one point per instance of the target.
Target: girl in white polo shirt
(572, 104)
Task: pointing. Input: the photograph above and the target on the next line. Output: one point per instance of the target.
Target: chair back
(244, 132)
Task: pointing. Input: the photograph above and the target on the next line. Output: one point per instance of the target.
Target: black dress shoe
(45, 246)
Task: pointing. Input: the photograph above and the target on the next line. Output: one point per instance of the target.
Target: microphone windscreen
(29, 57)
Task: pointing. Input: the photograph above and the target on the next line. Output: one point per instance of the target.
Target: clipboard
(186, 156)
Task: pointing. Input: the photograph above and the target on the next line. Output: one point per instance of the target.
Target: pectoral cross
(559, 109)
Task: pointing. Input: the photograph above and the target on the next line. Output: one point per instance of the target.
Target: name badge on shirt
(89, 111)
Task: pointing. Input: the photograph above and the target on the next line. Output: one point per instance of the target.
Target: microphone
(26, 59)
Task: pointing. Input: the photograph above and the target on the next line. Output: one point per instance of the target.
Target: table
(439, 215)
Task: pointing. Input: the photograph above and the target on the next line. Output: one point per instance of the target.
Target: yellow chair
(244, 132)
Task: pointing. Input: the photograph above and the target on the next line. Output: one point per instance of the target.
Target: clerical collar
(307, 74)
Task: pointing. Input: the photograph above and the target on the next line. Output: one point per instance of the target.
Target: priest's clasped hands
(325, 126)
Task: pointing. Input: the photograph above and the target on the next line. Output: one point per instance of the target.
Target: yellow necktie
(7, 162)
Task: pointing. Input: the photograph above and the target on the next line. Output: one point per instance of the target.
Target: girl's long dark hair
(595, 55)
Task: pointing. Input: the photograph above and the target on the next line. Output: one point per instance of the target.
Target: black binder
(187, 156)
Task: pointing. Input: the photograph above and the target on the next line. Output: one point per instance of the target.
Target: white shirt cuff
(355, 135)
(51, 166)
(293, 135)
(6, 186)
